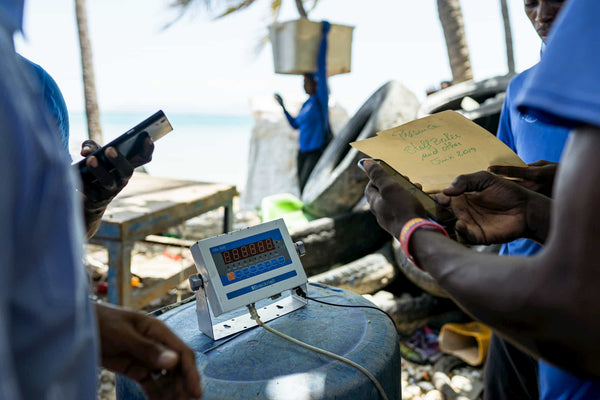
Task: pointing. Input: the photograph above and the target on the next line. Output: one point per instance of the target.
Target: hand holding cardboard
(434, 150)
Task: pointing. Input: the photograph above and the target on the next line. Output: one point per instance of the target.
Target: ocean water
(206, 148)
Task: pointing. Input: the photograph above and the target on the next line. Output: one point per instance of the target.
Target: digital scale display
(249, 257)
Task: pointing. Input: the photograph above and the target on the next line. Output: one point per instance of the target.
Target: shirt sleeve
(292, 121)
(564, 87)
(322, 88)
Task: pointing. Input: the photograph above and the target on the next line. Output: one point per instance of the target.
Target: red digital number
(235, 253)
(252, 247)
(261, 246)
(244, 250)
(227, 257)
(269, 243)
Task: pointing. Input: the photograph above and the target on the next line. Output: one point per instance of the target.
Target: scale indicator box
(244, 267)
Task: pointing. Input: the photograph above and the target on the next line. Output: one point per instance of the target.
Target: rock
(461, 383)
(433, 395)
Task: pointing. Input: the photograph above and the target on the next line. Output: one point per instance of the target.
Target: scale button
(274, 263)
(281, 259)
(267, 264)
(253, 268)
(245, 271)
(230, 276)
(238, 274)
(260, 266)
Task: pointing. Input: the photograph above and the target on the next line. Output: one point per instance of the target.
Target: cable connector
(254, 313)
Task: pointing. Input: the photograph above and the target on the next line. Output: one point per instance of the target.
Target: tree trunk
(450, 15)
(89, 86)
(301, 10)
(510, 55)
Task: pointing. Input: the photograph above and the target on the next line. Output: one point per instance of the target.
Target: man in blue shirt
(510, 373)
(48, 334)
(313, 119)
(546, 304)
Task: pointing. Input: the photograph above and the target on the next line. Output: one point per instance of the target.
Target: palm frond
(237, 7)
(275, 9)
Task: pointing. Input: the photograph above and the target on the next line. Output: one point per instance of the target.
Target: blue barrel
(259, 365)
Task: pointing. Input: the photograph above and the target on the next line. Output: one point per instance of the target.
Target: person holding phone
(313, 119)
(98, 193)
(49, 329)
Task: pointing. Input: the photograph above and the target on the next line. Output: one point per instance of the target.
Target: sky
(204, 66)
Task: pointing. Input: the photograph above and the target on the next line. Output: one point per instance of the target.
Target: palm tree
(510, 55)
(450, 15)
(92, 111)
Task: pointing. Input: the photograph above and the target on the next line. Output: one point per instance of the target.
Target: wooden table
(150, 205)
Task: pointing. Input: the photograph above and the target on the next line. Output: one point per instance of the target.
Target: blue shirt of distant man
(313, 119)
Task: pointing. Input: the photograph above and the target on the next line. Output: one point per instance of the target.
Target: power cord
(254, 316)
(351, 306)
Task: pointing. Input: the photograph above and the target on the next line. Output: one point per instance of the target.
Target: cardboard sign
(434, 150)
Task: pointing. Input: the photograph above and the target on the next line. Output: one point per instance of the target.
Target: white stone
(433, 395)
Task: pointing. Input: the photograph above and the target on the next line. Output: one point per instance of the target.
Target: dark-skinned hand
(391, 204)
(140, 347)
(105, 181)
(489, 209)
(278, 99)
(538, 176)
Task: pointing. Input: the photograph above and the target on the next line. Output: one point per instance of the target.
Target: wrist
(408, 230)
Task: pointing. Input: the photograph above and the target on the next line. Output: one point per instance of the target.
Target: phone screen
(439, 213)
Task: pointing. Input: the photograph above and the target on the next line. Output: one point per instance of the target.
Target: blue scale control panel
(249, 257)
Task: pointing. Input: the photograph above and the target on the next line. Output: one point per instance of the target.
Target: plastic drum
(259, 365)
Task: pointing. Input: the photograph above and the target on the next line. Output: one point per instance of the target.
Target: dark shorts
(306, 163)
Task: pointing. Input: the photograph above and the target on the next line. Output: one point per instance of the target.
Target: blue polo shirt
(533, 140)
(564, 89)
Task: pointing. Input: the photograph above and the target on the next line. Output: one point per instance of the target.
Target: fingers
(475, 182)
(88, 147)
(510, 171)
(187, 360)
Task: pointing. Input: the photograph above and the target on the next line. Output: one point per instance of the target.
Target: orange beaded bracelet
(410, 227)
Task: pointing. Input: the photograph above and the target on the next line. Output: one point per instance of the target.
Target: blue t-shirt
(53, 99)
(565, 89)
(532, 140)
(313, 118)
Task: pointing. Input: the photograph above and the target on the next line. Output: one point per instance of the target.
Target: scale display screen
(251, 256)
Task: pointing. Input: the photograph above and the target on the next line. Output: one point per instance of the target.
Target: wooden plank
(142, 297)
(169, 241)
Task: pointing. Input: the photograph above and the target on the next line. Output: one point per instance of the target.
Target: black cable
(351, 306)
(166, 308)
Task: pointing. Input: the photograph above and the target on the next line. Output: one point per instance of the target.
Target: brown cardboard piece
(434, 150)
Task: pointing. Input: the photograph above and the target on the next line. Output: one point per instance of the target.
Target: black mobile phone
(435, 211)
(129, 144)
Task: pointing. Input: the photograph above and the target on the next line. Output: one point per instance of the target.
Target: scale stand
(259, 265)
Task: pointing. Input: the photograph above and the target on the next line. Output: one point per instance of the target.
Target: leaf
(275, 8)
(237, 7)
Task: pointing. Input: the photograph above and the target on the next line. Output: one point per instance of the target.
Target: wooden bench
(150, 205)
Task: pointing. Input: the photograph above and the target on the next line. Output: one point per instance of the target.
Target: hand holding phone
(435, 211)
(131, 145)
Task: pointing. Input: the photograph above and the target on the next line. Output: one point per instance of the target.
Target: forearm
(291, 120)
(494, 290)
(93, 217)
